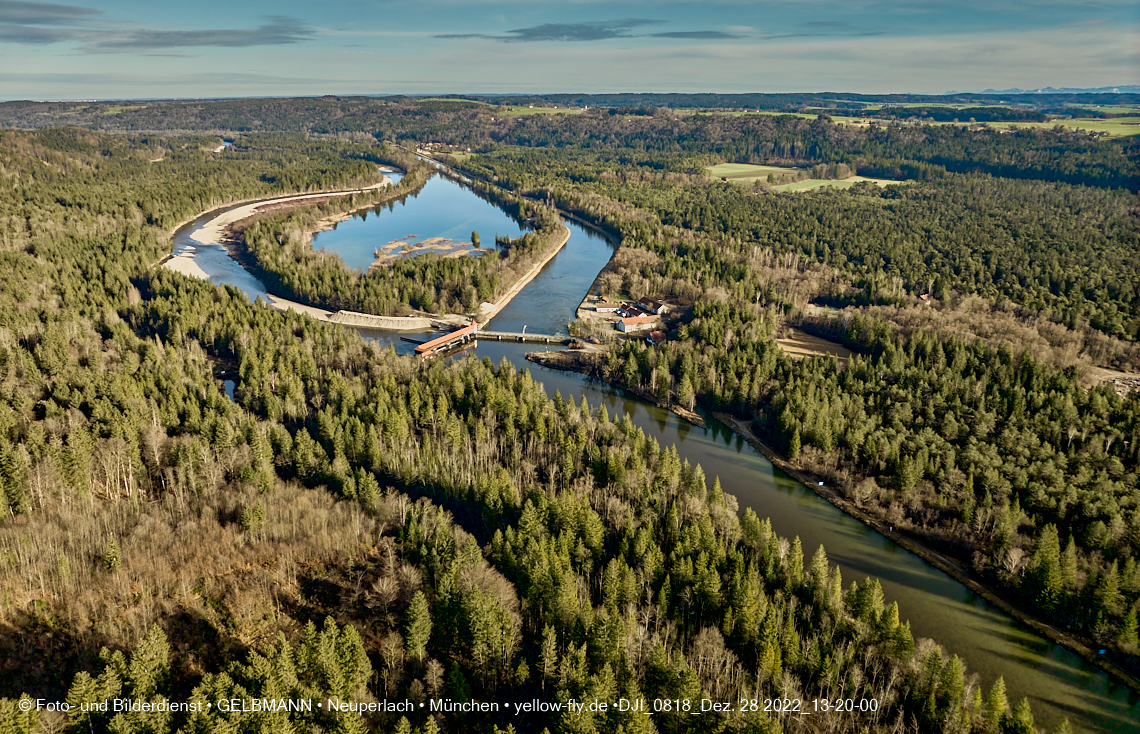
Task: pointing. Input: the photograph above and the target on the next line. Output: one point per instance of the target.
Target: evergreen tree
(1045, 570)
(417, 626)
(996, 706)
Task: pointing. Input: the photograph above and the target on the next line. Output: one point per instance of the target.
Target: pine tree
(768, 656)
(664, 596)
(818, 576)
(996, 704)
(794, 564)
(16, 719)
(112, 557)
(685, 395)
(1069, 566)
(953, 682)
(1021, 721)
(1127, 639)
(794, 444)
(1107, 595)
(549, 654)
(1045, 570)
(150, 664)
(417, 626)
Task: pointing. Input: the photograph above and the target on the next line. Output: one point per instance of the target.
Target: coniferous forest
(362, 526)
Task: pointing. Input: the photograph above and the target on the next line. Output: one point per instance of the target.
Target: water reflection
(441, 208)
(1058, 683)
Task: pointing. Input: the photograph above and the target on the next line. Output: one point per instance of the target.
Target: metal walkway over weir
(509, 336)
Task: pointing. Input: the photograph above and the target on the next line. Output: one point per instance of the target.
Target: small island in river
(402, 249)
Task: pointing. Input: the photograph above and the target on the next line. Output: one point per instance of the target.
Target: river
(1058, 683)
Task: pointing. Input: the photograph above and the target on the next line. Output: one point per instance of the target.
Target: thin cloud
(572, 32)
(279, 31)
(36, 35)
(23, 13)
(827, 28)
(696, 35)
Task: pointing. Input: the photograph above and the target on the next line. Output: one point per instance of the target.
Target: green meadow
(1108, 109)
(1120, 126)
(744, 172)
(813, 184)
(517, 111)
(120, 109)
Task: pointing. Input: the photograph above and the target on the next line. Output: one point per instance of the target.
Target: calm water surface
(1057, 682)
(440, 209)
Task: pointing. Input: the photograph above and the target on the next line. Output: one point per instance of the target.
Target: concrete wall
(391, 323)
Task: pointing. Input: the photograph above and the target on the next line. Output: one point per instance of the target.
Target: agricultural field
(518, 111)
(946, 105)
(744, 172)
(1108, 109)
(813, 184)
(120, 109)
(1117, 126)
(744, 113)
(453, 99)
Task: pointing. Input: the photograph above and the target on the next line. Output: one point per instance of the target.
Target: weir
(510, 336)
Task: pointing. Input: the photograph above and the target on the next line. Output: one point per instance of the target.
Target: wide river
(1058, 683)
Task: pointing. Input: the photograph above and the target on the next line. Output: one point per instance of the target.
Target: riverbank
(219, 231)
(211, 232)
(586, 362)
(214, 231)
(947, 565)
(487, 311)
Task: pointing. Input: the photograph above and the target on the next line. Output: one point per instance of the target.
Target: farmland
(744, 172)
(813, 184)
(518, 111)
(1113, 126)
(747, 173)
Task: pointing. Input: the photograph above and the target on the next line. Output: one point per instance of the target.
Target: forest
(361, 526)
(978, 447)
(907, 151)
(1067, 252)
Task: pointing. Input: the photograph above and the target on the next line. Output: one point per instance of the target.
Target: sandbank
(185, 264)
(211, 232)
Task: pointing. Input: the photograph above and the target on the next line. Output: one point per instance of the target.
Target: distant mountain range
(1123, 89)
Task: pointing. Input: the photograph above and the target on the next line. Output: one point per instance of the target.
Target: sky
(126, 49)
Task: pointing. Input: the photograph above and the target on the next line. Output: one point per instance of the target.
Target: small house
(636, 323)
(652, 306)
(656, 338)
(605, 305)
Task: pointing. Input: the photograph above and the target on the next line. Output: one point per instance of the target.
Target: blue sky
(125, 48)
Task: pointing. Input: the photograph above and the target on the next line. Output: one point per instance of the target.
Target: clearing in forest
(799, 344)
(518, 110)
(744, 171)
(812, 184)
